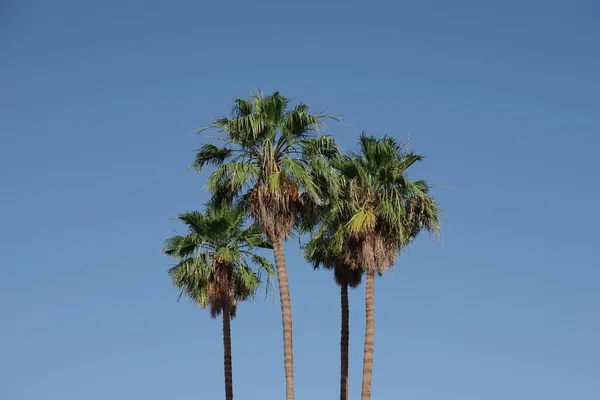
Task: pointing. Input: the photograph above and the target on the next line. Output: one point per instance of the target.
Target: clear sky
(96, 103)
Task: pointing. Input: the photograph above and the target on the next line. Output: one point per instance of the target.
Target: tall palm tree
(214, 268)
(381, 211)
(264, 162)
(322, 250)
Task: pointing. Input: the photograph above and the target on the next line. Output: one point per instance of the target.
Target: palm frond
(321, 146)
(242, 108)
(253, 237)
(192, 276)
(210, 154)
(182, 246)
(296, 170)
(264, 267)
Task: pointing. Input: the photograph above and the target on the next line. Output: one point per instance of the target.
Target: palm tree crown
(379, 207)
(216, 251)
(265, 159)
(322, 251)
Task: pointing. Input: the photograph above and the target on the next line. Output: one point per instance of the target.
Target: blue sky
(96, 105)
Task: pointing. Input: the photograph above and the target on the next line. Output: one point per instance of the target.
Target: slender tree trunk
(227, 352)
(369, 336)
(286, 317)
(344, 341)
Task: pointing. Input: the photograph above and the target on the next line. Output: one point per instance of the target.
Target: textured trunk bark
(369, 336)
(286, 317)
(344, 342)
(227, 353)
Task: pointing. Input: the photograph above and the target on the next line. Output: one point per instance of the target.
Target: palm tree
(323, 251)
(381, 211)
(265, 158)
(214, 268)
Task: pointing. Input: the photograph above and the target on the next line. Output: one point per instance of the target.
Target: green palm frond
(182, 246)
(321, 146)
(242, 108)
(230, 178)
(319, 251)
(196, 222)
(221, 176)
(192, 276)
(298, 123)
(209, 154)
(276, 181)
(255, 238)
(363, 220)
(271, 107)
(296, 170)
(248, 282)
(264, 264)
(264, 267)
(247, 128)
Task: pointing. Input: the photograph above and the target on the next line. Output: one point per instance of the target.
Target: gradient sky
(98, 98)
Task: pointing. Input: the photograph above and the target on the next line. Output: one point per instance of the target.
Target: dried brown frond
(275, 211)
(345, 275)
(222, 289)
(370, 251)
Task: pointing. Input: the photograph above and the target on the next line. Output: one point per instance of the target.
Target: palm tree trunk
(227, 352)
(286, 317)
(344, 342)
(369, 336)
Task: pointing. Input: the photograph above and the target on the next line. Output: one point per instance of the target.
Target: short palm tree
(264, 161)
(322, 250)
(214, 268)
(381, 211)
